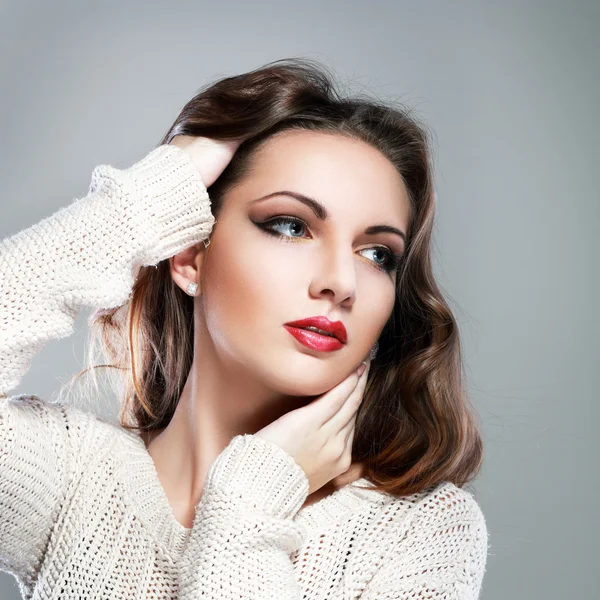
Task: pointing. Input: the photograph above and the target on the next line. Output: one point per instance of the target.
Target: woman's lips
(315, 340)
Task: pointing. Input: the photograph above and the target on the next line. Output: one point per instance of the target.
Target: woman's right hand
(319, 435)
(210, 157)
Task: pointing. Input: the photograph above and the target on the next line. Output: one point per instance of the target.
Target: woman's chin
(310, 385)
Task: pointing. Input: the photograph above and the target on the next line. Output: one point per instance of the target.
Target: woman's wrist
(172, 209)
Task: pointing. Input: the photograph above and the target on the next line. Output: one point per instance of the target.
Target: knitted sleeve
(244, 533)
(86, 254)
(440, 555)
(89, 252)
(39, 445)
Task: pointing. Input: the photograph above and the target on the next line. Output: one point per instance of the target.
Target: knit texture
(82, 510)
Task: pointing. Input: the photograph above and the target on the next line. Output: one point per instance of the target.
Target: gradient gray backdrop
(512, 91)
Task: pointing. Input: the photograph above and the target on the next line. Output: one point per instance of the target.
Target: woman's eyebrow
(322, 214)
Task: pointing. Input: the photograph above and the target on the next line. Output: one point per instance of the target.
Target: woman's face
(257, 276)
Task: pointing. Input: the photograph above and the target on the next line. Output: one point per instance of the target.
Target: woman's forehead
(326, 166)
(337, 179)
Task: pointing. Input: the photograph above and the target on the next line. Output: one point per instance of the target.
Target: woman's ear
(186, 268)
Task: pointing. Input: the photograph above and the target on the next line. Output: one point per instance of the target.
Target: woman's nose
(336, 275)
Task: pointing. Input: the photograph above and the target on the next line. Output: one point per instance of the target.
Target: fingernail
(362, 368)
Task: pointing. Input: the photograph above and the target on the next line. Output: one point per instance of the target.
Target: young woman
(241, 273)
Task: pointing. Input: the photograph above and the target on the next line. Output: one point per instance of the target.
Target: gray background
(512, 91)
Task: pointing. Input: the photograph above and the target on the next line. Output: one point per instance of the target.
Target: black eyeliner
(393, 259)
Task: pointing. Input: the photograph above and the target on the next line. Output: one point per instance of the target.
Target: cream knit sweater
(82, 511)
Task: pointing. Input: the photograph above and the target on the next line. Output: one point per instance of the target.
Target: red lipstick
(330, 335)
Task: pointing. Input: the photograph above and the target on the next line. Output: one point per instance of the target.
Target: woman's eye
(390, 261)
(286, 222)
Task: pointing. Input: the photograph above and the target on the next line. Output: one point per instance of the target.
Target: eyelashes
(392, 261)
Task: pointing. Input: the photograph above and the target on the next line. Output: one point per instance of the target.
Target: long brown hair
(416, 426)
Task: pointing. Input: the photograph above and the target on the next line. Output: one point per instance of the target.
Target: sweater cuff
(262, 474)
(170, 206)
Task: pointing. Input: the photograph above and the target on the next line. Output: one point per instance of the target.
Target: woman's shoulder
(448, 501)
(451, 517)
(441, 507)
(435, 538)
(442, 496)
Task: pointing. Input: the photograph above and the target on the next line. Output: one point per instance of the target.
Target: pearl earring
(192, 287)
(374, 350)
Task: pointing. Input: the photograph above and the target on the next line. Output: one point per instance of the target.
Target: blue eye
(391, 260)
(283, 221)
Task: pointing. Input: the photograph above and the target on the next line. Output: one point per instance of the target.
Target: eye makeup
(391, 260)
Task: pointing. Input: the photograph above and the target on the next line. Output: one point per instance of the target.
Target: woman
(253, 459)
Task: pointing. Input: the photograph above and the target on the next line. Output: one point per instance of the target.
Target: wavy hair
(416, 426)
